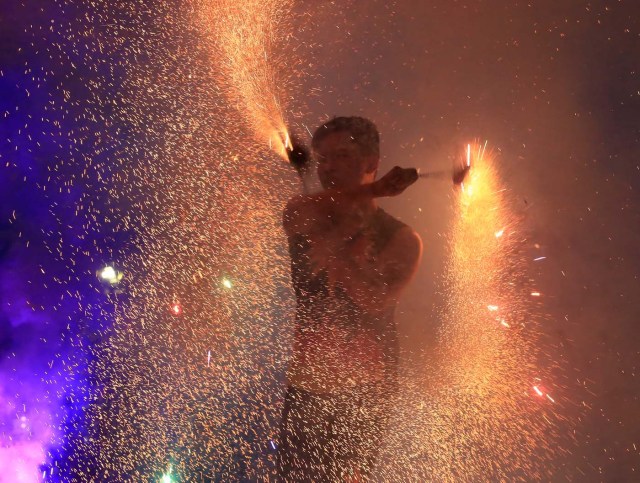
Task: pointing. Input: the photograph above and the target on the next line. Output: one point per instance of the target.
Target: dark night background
(553, 86)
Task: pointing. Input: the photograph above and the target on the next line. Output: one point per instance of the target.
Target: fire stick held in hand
(457, 175)
(300, 158)
(298, 155)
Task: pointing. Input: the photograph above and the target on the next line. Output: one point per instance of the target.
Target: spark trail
(250, 46)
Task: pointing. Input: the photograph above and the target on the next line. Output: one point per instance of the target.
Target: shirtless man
(350, 261)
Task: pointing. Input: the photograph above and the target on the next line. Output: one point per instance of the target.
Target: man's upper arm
(400, 260)
(395, 266)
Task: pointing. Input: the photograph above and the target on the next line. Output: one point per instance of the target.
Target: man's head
(347, 150)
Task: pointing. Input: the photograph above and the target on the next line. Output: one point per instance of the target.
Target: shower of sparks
(183, 102)
(474, 400)
(162, 135)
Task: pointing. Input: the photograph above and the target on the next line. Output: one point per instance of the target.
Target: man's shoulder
(389, 222)
(393, 231)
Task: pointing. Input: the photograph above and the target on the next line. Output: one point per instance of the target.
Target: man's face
(341, 163)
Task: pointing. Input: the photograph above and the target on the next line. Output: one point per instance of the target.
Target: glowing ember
(111, 275)
(176, 308)
(226, 283)
(108, 273)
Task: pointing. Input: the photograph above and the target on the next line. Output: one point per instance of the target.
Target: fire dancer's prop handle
(434, 174)
(457, 175)
(300, 158)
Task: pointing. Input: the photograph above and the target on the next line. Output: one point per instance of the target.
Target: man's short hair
(363, 132)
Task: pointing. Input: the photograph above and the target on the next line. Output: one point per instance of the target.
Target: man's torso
(339, 345)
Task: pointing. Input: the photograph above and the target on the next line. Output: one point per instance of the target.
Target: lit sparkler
(486, 371)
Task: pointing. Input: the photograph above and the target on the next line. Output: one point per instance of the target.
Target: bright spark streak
(538, 391)
(499, 233)
(484, 148)
(492, 308)
(538, 259)
(535, 294)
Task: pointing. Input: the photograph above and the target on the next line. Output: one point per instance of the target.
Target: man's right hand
(298, 155)
(394, 182)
